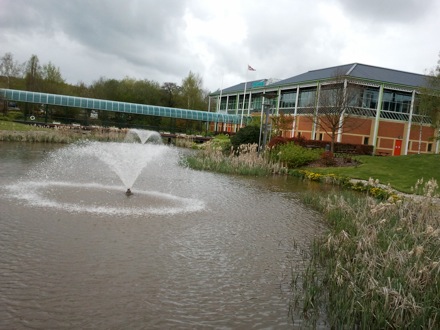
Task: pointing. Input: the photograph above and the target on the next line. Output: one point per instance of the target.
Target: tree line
(47, 78)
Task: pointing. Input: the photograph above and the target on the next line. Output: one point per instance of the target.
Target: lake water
(189, 250)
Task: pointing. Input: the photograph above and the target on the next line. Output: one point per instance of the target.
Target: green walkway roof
(106, 105)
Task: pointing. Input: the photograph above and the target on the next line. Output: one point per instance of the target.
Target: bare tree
(429, 100)
(281, 123)
(333, 112)
(33, 73)
(9, 68)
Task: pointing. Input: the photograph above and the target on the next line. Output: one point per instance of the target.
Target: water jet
(143, 136)
(83, 177)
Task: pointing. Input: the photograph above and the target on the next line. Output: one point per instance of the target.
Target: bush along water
(244, 161)
(293, 155)
(371, 187)
(378, 266)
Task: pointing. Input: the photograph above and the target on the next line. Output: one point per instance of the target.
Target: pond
(188, 250)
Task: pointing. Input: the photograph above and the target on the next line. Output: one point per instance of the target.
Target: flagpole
(249, 68)
(219, 103)
(244, 98)
(220, 97)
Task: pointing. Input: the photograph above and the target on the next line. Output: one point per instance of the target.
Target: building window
(232, 104)
(366, 139)
(396, 101)
(223, 103)
(307, 97)
(288, 100)
(429, 147)
(369, 98)
(256, 103)
(321, 136)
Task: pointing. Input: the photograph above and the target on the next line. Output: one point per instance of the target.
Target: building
(385, 107)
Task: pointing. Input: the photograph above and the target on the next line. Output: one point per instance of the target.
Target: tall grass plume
(379, 265)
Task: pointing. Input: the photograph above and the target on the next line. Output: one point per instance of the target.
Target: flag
(251, 68)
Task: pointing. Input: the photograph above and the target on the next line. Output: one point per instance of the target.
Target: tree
(281, 123)
(429, 99)
(52, 80)
(33, 73)
(9, 68)
(170, 92)
(335, 102)
(193, 96)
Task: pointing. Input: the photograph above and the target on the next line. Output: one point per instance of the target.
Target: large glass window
(332, 95)
(369, 97)
(307, 97)
(256, 102)
(246, 100)
(232, 103)
(396, 101)
(223, 103)
(288, 100)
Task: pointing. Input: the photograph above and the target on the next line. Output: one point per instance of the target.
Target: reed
(64, 134)
(244, 161)
(377, 267)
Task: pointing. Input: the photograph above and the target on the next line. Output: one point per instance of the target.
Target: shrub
(277, 140)
(221, 141)
(328, 158)
(293, 155)
(246, 135)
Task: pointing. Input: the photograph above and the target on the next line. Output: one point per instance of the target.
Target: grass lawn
(401, 172)
(11, 126)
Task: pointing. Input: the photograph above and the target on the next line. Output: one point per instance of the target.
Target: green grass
(11, 126)
(401, 172)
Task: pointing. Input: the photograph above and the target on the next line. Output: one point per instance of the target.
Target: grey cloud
(290, 38)
(139, 32)
(146, 39)
(388, 11)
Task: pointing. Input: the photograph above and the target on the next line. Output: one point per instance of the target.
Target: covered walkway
(115, 106)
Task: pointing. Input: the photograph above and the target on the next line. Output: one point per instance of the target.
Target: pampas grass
(64, 134)
(244, 161)
(379, 265)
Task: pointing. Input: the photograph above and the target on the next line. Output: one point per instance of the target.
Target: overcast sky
(164, 40)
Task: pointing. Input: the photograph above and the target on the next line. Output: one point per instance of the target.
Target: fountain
(143, 136)
(81, 178)
(188, 249)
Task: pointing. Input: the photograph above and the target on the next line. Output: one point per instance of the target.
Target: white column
(408, 129)
(278, 101)
(244, 102)
(316, 117)
(377, 120)
(437, 145)
(295, 112)
(249, 104)
(341, 118)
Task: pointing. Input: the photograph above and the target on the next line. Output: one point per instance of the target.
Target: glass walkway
(125, 107)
